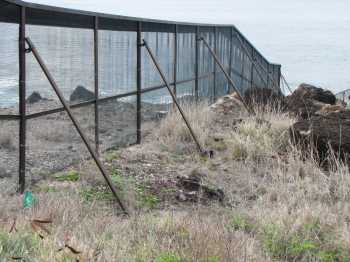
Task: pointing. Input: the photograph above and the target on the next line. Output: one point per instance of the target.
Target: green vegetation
(308, 243)
(21, 245)
(71, 176)
(168, 257)
(239, 222)
(112, 155)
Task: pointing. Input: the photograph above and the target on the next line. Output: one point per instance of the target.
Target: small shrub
(168, 257)
(99, 193)
(239, 222)
(71, 176)
(112, 155)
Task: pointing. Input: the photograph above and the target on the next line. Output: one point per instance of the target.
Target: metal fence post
(214, 87)
(196, 85)
(175, 58)
(96, 67)
(231, 53)
(139, 83)
(22, 100)
(252, 71)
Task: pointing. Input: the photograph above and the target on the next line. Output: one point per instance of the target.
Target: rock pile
(306, 100)
(323, 122)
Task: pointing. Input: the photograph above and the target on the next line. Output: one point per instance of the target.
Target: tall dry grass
(174, 134)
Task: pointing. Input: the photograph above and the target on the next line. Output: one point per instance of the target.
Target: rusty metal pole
(216, 59)
(196, 83)
(96, 68)
(175, 58)
(22, 100)
(162, 75)
(139, 82)
(231, 53)
(214, 87)
(74, 121)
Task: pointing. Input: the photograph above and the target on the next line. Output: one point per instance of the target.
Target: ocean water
(311, 39)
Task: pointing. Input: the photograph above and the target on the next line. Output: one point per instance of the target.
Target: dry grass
(174, 134)
(279, 206)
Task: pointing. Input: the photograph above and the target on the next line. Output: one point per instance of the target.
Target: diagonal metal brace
(249, 109)
(162, 75)
(75, 122)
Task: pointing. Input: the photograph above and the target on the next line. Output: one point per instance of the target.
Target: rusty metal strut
(58, 92)
(250, 110)
(162, 75)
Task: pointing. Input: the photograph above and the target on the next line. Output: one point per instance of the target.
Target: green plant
(168, 257)
(99, 193)
(112, 155)
(213, 259)
(71, 176)
(239, 222)
(307, 243)
(18, 246)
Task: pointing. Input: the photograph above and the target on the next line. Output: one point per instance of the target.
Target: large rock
(324, 131)
(306, 100)
(35, 97)
(81, 94)
(307, 91)
(264, 97)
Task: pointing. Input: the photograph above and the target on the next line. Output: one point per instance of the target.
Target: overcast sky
(212, 11)
(310, 38)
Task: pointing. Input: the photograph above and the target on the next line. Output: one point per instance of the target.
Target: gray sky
(211, 11)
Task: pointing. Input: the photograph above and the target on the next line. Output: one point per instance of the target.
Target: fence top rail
(50, 8)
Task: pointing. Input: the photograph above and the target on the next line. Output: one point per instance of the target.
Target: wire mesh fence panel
(237, 70)
(223, 41)
(155, 106)
(117, 124)
(53, 144)
(68, 55)
(206, 64)
(186, 53)
(162, 45)
(117, 62)
(9, 69)
(186, 92)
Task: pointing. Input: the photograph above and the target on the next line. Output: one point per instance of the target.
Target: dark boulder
(322, 132)
(81, 94)
(306, 100)
(307, 91)
(264, 97)
(35, 97)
